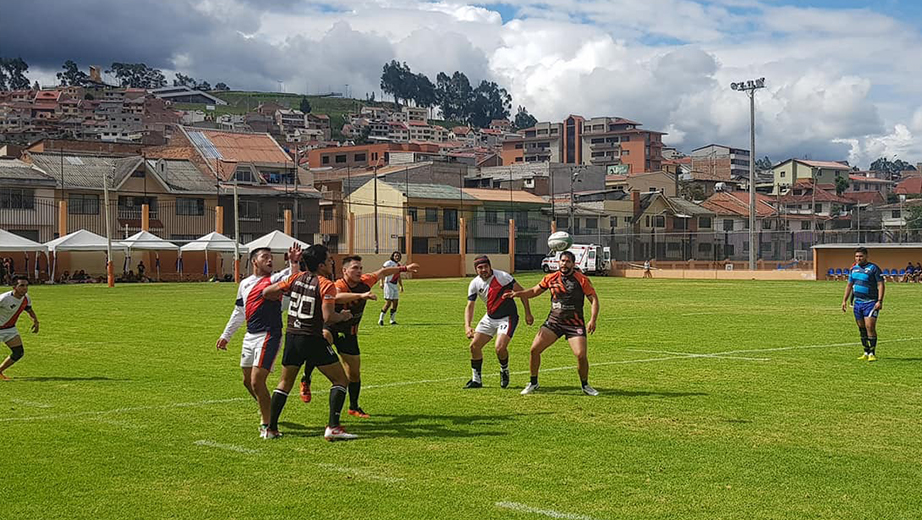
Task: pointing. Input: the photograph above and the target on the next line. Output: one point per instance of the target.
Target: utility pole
(376, 207)
(750, 88)
(110, 275)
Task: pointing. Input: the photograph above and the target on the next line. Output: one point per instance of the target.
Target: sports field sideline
(718, 400)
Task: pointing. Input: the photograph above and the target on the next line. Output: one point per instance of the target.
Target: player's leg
(248, 381)
(337, 376)
(292, 359)
(16, 353)
(543, 339)
(348, 348)
(578, 346)
(248, 350)
(309, 370)
(265, 360)
(863, 332)
(870, 322)
(482, 336)
(503, 337)
(387, 305)
(394, 304)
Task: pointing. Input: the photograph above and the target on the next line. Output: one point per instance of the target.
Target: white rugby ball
(559, 241)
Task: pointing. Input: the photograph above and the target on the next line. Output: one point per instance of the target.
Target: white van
(590, 258)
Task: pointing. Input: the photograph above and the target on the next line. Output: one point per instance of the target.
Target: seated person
(65, 277)
(909, 272)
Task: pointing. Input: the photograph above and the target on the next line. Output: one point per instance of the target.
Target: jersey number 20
(302, 308)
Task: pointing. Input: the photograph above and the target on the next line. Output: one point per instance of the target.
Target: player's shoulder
(390, 263)
(550, 277)
(342, 285)
(501, 276)
(369, 278)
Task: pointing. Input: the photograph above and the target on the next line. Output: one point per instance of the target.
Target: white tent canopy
(81, 240)
(211, 242)
(13, 242)
(144, 241)
(277, 241)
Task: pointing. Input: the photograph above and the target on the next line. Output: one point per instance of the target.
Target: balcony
(604, 160)
(598, 147)
(331, 227)
(426, 229)
(135, 213)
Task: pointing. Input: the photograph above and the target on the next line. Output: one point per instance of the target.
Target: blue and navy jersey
(864, 280)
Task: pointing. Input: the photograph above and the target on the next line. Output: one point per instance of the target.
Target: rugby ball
(559, 241)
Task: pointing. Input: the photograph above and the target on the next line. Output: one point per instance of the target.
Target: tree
(424, 91)
(454, 95)
(13, 74)
(893, 169)
(305, 105)
(221, 86)
(137, 75)
(72, 76)
(914, 219)
(396, 80)
(203, 86)
(489, 102)
(764, 163)
(523, 119)
(184, 81)
(841, 184)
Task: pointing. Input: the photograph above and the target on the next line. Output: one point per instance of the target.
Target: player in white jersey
(393, 286)
(12, 304)
(500, 320)
(263, 318)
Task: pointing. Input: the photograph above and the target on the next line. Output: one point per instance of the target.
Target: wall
(498, 261)
(884, 257)
(717, 274)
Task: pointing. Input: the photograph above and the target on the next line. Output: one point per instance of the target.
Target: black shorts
(568, 328)
(313, 350)
(346, 343)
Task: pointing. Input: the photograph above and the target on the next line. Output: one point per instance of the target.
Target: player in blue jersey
(866, 283)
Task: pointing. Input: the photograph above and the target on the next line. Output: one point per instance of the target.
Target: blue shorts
(865, 310)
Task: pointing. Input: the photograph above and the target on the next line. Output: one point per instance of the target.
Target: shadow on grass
(437, 426)
(611, 392)
(68, 378)
(292, 426)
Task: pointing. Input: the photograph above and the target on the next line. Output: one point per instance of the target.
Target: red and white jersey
(491, 292)
(11, 307)
(259, 314)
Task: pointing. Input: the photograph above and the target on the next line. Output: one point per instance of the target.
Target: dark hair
(395, 253)
(258, 250)
(570, 254)
(313, 256)
(482, 259)
(17, 278)
(862, 249)
(351, 258)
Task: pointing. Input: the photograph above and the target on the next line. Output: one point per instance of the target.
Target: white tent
(12, 242)
(213, 241)
(277, 241)
(80, 241)
(144, 241)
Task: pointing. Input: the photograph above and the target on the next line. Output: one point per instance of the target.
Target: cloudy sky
(843, 76)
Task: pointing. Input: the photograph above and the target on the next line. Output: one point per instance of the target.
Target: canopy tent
(80, 241)
(212, 242)
(145, 241)
(13, 242)
(277, 241)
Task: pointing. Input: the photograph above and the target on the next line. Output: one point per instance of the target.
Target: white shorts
(260, 350)
(9, 334)
(492, 326)
(391, 291)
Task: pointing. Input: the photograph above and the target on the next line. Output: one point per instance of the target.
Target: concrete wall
(699, 274)
(884, 257)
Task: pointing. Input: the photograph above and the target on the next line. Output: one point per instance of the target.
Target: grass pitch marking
(522, 508)
(693, 355)
(229, 447)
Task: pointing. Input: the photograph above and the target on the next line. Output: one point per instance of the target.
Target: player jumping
(569, 288)
(866, 283)
(12, 303)
(345, 333)
(263, 318)
(501, 318)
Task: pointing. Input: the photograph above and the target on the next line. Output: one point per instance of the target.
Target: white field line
(448, 379)
(693, 355)
(229, 447)
(522, 508)
(30, 403)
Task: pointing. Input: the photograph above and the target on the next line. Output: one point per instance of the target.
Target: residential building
(721, 162)
(488, 223)
(287, 120)
(671, 228)
(643, 182)
(787, 173)
(860, 182)
(911, 185)
(819, 202)
(184, 94)
(27, 203)
(542, 178)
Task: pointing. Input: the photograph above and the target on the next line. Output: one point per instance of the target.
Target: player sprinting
(569, 288)
(866, 284)
(500, 320)
(313, 298)
(263, 319)
(345, 333)
(393, 286)
(12, 304)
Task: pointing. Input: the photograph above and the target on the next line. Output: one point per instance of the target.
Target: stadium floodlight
(750, 87)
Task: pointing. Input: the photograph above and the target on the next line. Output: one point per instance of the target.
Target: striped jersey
(259, 314)
(864, 280)
(11, 307)
(491, 292)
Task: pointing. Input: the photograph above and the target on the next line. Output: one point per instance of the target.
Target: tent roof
(277, 241)
(81, 240)
(211, 242)
(146, 241)
(13, 242)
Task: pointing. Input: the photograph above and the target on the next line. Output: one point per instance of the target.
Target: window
(673, 246)
(359, 157)
(818, 208)
(325, 159)
(277, 177)
(414, 214)
(450, 219)
(895, 214)
(432, 215)
(341, 159)
(704, 222)
(192, 207)
(766, 224)
(782, 175)
(518, 159)
(648, 221)
(289, 205)
(592, 223)
(680, 223)
(728, 224)
(328, 213)
(491, 217)
(518, 146)
(244, 175)
(249, 210)
(659, 221)
(17, 198)
(804, 225)
(704, 247)
(83, 204)
(138, 173)
(563, 222)
(627, 220)
(130, 207)
(625, 139)
(625, 152)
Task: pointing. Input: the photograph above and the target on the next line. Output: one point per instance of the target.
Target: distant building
(184, 94)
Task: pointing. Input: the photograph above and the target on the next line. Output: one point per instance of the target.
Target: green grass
(103, 416)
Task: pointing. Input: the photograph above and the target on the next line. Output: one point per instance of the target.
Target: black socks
(354, 389)
(276, 405)
(337, 400)
(864, 339)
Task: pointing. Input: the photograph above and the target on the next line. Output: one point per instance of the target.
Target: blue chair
(831, 273)
(839, 273)
(885, 273)
(902, 273)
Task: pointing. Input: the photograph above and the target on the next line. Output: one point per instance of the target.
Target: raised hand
(294, 253)
(413, 268)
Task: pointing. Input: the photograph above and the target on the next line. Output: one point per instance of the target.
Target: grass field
(122, 408)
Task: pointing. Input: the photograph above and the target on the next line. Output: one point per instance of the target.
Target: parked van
(590, 259)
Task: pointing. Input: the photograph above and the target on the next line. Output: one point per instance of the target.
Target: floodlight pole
(750, 88)
(110, 275)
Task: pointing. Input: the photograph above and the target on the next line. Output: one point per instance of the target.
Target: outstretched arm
(529, 319)
(526, 294)
(349, 297)
(385, 272)
(330, 316)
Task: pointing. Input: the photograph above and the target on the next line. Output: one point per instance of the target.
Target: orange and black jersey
(357, 307)
(308, 292)
(568, 293)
